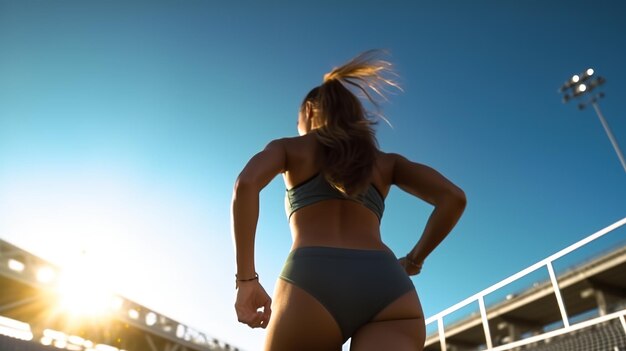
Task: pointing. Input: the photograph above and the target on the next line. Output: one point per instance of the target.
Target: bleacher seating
(608, 336)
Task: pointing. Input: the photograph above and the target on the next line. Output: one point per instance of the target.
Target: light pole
(580, 86)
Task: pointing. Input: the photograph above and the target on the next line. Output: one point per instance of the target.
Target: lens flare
(80, 294)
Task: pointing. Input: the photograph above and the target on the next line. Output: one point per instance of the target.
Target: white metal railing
(547, 262)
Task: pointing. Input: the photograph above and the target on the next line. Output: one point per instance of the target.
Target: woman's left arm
(259, 171)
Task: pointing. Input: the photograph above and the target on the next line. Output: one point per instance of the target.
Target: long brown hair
(343, 126)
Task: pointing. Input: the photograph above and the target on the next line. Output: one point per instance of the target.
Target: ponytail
(344, 127)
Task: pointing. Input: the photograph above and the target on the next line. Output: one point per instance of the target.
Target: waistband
(340, 252)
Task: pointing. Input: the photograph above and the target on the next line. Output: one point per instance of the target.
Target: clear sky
(123, 125)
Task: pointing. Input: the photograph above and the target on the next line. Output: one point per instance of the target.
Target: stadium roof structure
(595, 289)
(30, 310)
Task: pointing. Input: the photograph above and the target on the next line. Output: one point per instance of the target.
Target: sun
(82, 293)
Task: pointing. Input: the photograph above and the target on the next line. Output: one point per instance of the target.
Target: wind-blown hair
(343, 126)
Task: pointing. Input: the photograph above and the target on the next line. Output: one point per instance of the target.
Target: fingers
(253, 320)
(267, 313)
(259, 319)
(256, 318)
(410, 269)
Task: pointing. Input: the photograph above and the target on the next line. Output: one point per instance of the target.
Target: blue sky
(124, 125)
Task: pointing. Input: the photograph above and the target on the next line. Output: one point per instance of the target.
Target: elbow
(244, 185)
(462, 199)
(453, 198)
(458, 198)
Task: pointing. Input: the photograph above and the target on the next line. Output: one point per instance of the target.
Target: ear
(308, 111)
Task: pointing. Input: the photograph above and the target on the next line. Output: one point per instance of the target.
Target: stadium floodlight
(180, 331)
(583, 85)
(46, 340)
(15, 329)
(76, 340)
(16, 265)
(133, 313)
(60, 343)
(151, 318)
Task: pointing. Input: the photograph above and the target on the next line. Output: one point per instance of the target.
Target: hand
(411, 267)
(251, 297)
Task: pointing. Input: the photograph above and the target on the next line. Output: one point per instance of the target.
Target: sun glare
(46, 275)
(81, 294)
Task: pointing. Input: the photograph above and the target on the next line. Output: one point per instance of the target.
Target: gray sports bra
(318, 189)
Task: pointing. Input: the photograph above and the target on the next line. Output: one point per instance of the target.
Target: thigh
(399, 327)
(300, 322)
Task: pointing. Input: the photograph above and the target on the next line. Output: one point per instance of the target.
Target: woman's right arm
(259, 171)
(448, 200)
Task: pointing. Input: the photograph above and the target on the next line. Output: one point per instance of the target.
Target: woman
(340, 281)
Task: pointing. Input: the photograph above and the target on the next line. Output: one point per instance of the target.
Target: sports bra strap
(317, 189)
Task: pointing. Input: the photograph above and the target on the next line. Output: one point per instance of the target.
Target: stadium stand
(607, 336)
(30, 317)
(582, 309)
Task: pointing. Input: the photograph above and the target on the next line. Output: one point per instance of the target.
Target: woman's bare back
(336, 223)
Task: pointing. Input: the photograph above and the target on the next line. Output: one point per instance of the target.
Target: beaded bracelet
(237, 280)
